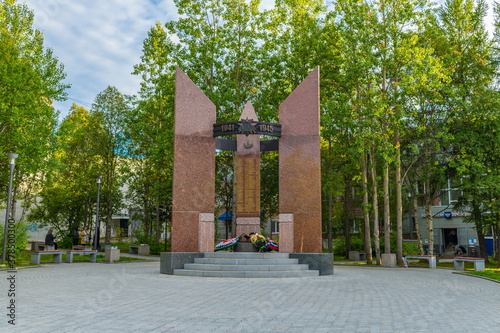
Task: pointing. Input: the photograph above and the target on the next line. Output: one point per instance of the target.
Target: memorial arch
(299, 168)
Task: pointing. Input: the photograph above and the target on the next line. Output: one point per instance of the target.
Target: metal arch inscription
(247, 127)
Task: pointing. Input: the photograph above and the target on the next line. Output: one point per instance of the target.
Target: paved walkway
(135, 297)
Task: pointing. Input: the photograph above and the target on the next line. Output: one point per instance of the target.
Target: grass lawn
(490, 273)
(25, 259)
(492, 270)
(123, 246)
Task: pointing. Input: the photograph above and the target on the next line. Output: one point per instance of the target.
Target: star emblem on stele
(247, 127)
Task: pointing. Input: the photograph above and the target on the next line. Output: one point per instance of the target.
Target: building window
(275, 226)
(451, 194)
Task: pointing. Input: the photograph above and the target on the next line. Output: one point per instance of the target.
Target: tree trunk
(399, 207)
(347, 215)
(478, 221)
(428, 217)
(147, 214)
(107, 239)
(414, 213)
(329, 224)
(483, 253)
(387, 211)
(157, 226)
(497, 247)
(366, 211)
(376, 229)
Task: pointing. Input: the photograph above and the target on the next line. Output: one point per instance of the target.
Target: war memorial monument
(298, 144)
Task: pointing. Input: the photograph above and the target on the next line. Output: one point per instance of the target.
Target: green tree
(467, 51)
(30, 78)
(109, 110)
(68, 196)
(150, 127)
(217, 47)
(218, 50)
(477, 151)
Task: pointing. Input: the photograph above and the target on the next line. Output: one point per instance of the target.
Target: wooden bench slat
(420, 255)
(467, 258)
(82, 251)
(47, 251)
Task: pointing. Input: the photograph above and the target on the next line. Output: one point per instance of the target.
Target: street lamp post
(410, 215)
(96, 233)
(12, 158)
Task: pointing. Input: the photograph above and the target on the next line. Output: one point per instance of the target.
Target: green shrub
(154, 246)
(20, 240)
(65, 243)
(410, 248)
(141, 237)
(357, 244)
(120, 233)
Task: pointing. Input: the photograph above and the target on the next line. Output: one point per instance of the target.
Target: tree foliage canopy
(408, 99)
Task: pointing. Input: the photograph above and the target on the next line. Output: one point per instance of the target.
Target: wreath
(228, 243)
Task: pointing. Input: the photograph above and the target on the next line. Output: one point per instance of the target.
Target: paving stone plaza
(135, 297)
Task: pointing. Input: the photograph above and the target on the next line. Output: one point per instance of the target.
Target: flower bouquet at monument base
(262, 243)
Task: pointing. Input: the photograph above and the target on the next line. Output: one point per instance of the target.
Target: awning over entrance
(226, 216)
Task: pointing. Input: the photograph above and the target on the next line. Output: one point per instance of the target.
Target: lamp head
(12, 158)
(98, 178)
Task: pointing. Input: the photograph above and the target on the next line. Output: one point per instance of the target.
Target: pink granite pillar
(299, 168)
(193, 197)
(247, 172)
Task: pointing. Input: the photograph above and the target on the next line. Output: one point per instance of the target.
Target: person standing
(76, 236)
(49, 239)
(84, 236)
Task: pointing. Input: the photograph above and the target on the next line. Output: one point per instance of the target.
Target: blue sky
(99, 41)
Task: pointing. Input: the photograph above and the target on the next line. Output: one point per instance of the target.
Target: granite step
(261, 267)
(246, 265)
(246, 274)
(239, 261)
(246, 255)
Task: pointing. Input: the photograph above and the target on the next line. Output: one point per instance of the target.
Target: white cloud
(98, 41)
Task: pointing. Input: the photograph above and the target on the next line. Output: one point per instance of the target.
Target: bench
(431, 259)
(459, 263)
(41, 246)
(357, 256)
(56, 256)
(37, 246)
(82, 247)
(71, 253)
(133, 249)
(142, 249)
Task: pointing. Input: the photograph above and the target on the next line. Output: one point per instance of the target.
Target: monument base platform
(322, 263)
(176, 260)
